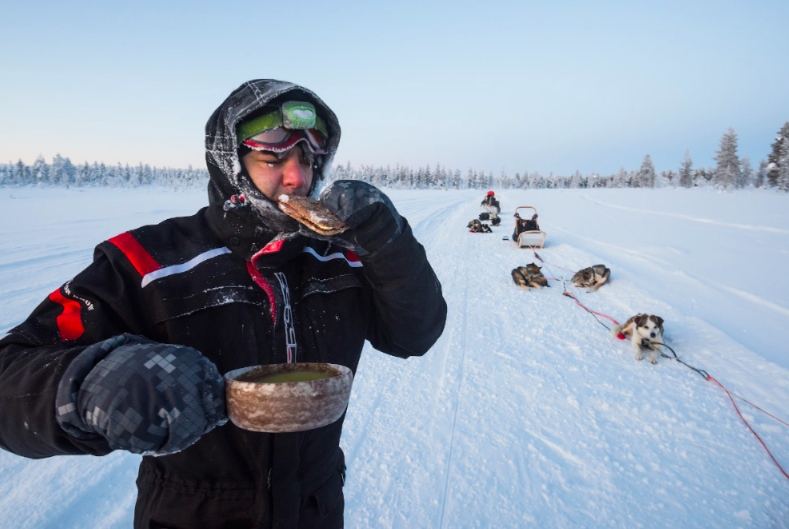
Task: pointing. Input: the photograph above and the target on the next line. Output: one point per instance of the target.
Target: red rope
(749, 426)
(609, 318)
(758, 408)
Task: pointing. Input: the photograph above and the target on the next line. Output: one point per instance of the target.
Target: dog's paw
(653, 362)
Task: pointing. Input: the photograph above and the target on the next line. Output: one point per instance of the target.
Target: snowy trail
(525, 413)
(556, 425)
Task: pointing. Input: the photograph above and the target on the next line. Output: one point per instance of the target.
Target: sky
(517, 86)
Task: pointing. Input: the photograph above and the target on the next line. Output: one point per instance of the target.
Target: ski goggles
(282, 128)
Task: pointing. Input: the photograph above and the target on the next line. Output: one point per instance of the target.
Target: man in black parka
(129, 353)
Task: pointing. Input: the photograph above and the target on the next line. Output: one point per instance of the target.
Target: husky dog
(536, 274)
(642, 328)
(593, 277)
(529, 276)
(475, 226)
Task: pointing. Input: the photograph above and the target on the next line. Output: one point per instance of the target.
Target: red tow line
(749, 426)
(609, 318)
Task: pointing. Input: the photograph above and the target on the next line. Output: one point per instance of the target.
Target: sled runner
(527, 231)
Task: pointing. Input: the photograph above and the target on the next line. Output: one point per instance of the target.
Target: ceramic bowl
(287, 406)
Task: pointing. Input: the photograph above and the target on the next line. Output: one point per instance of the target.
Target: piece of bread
(312, 214)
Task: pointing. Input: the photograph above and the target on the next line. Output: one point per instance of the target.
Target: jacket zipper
(290, 330)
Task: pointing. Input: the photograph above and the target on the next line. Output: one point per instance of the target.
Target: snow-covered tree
(727, 170)
(57, 173)
(82, 174)
(686, 171)
(40, 171)
(761, 175)
(668, 177)
(746, 173)
(646, 175)
(575, 180)
(774, 157)
(783, 166)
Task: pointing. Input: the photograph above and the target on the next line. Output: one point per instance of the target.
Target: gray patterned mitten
(373, 220)
(142, 396)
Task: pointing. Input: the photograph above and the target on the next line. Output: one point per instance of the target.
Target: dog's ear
(658, 321)
(641, 319)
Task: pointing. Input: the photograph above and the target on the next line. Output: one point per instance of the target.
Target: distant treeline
(63, 173)
(730, 172)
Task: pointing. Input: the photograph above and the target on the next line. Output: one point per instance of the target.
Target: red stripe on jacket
(70, 321)
(135, 253)
(272, 247)
(260, 281)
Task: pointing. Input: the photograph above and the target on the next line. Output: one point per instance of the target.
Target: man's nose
(295, 174)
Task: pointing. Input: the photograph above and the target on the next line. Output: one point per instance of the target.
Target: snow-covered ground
(526, 413)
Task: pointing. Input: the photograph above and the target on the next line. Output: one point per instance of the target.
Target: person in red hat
(491, 205)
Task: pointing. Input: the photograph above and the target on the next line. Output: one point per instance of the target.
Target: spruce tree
(761, 175)
(686, 171)
(40, 171)
(56, 172)
(746, 172)
(783, 165)
(646, 175)
(18, 173)
(727, 170)
(774, 158)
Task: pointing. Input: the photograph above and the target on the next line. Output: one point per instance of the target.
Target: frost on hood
(222, 145)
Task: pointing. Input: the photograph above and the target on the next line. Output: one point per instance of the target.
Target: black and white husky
(642, 328)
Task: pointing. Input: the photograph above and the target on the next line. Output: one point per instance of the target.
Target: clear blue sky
(539, 86)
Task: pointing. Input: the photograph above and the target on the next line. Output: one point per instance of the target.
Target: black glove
(145, 397)
(373, 220)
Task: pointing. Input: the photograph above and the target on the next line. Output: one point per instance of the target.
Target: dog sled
(527, 231)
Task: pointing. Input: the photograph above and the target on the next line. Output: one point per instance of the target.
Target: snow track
(526, 412)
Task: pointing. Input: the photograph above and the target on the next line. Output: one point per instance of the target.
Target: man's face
(274, 174)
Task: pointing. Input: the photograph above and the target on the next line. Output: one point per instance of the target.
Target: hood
(227, 176)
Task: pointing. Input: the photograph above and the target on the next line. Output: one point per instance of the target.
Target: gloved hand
(373, 220)
(142, 396)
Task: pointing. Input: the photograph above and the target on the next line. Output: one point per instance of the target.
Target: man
(129, 354)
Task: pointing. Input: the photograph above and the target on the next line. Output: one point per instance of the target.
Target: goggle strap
(284, 146)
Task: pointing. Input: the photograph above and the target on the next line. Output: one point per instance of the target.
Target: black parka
(225, 284)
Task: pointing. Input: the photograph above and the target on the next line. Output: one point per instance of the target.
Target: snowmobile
(527, 232)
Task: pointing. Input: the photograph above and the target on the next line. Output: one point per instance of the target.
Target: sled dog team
(642, 329)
